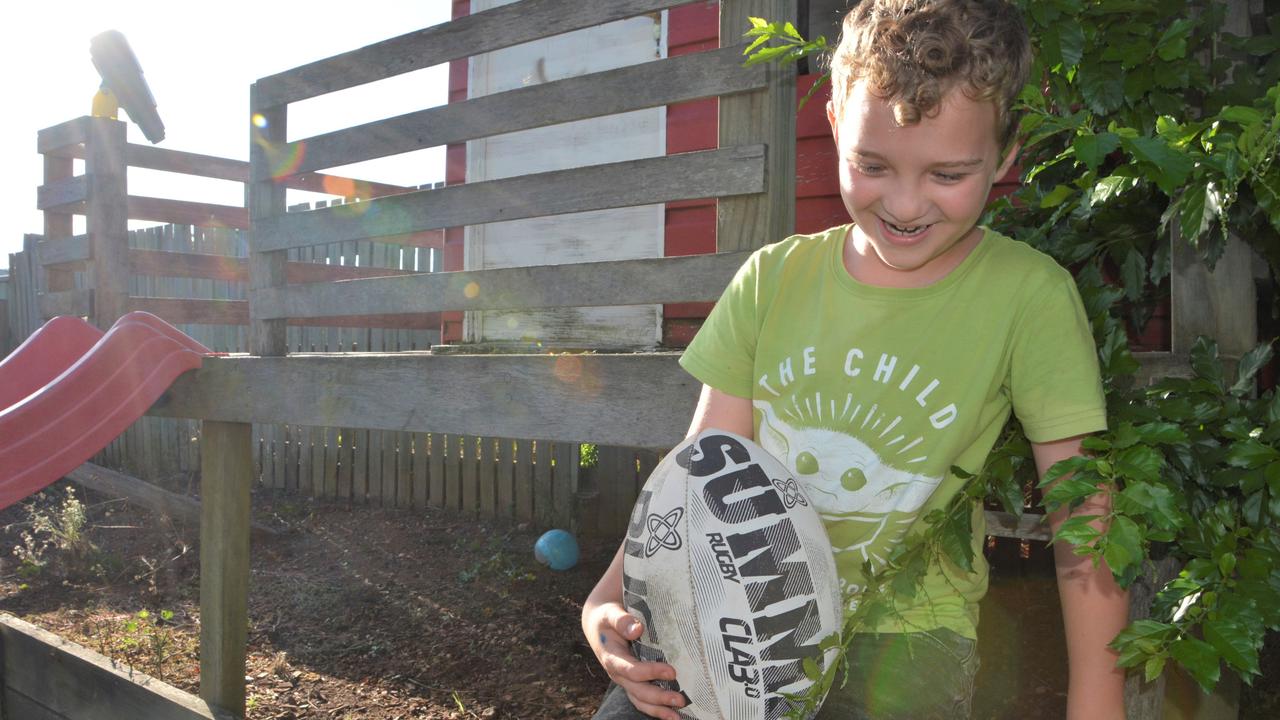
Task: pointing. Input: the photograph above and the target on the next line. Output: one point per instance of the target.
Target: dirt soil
(375, 613)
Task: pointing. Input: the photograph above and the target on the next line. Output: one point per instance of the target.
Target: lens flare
(286, 159)
(471, 290)
(259, 120)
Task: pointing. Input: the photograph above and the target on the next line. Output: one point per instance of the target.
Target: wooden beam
(634, 87)
(185, 163)
(51, 674)
(226, 472)
(473, 34)
(711, 173)
(182, 310)
(236, 312)
(696, 278)
(68, 134)
(266, 199)
(769, 117)
(67, 302)
(639, 400)
(74, 249)
(1031, 526)
(182, 212)
(161, 263)
(66, 195)
(140, 492)
(107, 219)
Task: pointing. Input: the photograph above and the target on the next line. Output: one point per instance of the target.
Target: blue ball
(556, 549)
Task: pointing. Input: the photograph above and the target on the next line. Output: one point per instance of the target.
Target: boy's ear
(831, 118)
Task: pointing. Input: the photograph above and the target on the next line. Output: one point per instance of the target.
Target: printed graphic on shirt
(862, 455)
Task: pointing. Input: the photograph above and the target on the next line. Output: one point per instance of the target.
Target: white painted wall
(622, 234)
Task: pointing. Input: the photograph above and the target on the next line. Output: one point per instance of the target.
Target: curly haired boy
(873, 357)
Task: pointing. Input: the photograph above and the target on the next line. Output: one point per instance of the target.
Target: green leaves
(1091, 149)
(1123, 551)
(1102, 86)
(1199, 658)
(1168, 167)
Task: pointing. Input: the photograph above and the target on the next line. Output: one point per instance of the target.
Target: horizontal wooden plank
(156, 499)
(65, 250)
(236, 312)
(66, 302)
(17, 705)
(473, 34)
(66, 195)
(182, 212)
(710, 173)
(176, 161)
(634, 87)
(178, 311)
(640, 400)
(160, 263)
(304, 272)
(1030, 526)
(52, 139)
(186, 163)
(1155, 365)
(76, 682)
(624, 282)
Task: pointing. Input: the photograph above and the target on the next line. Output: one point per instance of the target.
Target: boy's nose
(905, 205)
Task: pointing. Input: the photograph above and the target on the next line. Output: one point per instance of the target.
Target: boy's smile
(915, 192)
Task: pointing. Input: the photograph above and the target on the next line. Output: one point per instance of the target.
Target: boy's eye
(870, 169)
(950, 177)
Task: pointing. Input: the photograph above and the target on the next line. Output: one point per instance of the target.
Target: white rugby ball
(730, 569)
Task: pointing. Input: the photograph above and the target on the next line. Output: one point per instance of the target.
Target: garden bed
(371, 613)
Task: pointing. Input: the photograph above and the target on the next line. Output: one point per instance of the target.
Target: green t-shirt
(870, 394)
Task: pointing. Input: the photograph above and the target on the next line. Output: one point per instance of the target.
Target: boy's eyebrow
(972, 162)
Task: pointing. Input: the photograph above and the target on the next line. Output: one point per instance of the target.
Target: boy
(873, 357)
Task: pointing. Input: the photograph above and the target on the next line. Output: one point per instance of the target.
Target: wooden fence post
(266, 199)
(226, 471)
(57, 223)
(107, 211)
(768, 116)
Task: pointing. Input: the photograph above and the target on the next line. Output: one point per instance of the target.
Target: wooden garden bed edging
(49, 678)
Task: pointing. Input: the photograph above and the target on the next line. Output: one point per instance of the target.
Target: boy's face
(915, 192)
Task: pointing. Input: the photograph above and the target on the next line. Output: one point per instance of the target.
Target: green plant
(61, 527)
(588, 455)
(1142, 121)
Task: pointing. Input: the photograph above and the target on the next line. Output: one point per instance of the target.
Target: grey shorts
(892, 676)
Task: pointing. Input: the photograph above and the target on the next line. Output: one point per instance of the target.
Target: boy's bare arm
(1094, 608)
(605, 622)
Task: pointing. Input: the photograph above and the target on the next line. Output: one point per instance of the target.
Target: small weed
(496, 560)
(62, 528)
(143, 637)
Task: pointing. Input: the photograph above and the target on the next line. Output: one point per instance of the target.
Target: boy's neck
(864, 265)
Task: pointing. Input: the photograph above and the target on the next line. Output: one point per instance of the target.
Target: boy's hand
(612, 629)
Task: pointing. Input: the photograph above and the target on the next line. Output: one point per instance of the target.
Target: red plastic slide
(70, 389)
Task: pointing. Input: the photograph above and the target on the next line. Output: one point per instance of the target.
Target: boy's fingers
(627, 668)
(653, 700)
(627, 626)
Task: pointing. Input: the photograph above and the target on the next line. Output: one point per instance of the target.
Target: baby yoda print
(867, 505)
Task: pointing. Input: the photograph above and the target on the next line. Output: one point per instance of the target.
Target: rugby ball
(730, 569)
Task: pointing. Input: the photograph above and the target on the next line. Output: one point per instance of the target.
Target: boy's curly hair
(912, 52)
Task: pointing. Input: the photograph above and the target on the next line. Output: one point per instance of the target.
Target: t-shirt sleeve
(722, 354)
(1054, 380)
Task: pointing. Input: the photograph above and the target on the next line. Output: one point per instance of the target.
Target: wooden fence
(484, 476)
